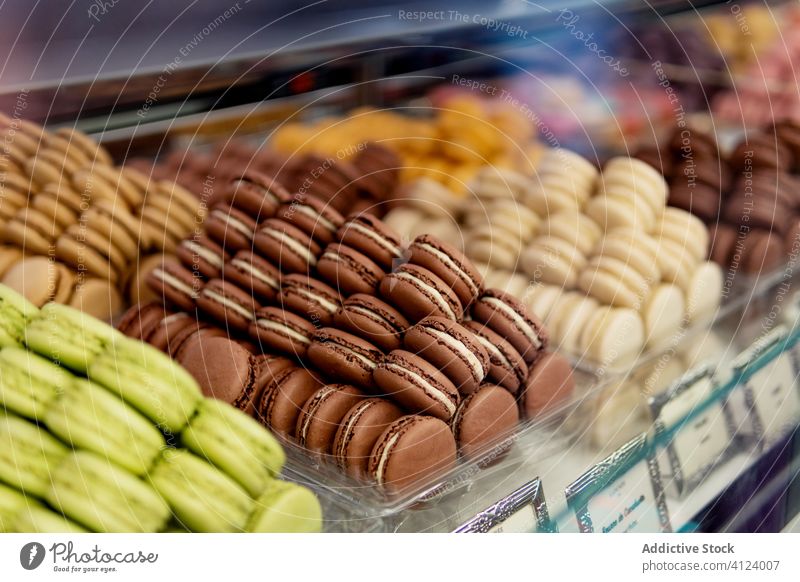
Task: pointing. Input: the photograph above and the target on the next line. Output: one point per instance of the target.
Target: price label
(702, 426)
(523, 511)
(621, 494)
(774, 397)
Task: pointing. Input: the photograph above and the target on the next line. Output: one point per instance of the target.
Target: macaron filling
(283, 329)
(329, 306)
(387, 450)
(228, 303)
(429, 389)
(497, 355)
(236, 224)
(175, 282)
(377, 317)
(206, 254)
(250, 269)
(285, 240)
(448, 260)
(372, 235)
(461, 350)
(316, 216)
(431, 292)
(518, 320)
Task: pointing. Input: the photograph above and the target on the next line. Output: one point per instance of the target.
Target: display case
(697, 433)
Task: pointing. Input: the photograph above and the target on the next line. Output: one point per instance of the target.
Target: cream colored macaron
(663, 314)
(639, 175)
(634, 248)
(431, 197)
(509, 281)
(575, 228)
(540, 299)
(555, 192)
(685, 229)
(493, 246)
(552, 260)
(613, 282)
(568, 319)
(403, 219)
(613, 336)
(704, 292)
(564, 161)
(515, 217)
(675, 262)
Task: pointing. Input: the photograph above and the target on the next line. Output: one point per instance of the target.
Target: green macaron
(201, 496)
(28, 455)
(29, 383)
(35, 518)
(15, 313)
(103, 497)
(286, 508)
(150, 381)
(235, 443)
(69, 337)
(12, 501)
(89, 417)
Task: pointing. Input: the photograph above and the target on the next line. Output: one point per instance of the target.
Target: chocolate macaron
(411, 450)
(280, 330)
(417, 293)
(450, 265)
(257, 194)
(348, 271)
(323, 411)
(550, 382)
(310, 298)
(506, 367)
(317, 218)
(343, 357)
(140, 321)
(454, 349)
(358, 431)
(202, 255)
(253, 274)
(372, 319)
(372, 237)
(417, 385)
(228, 305)
(230, 228)
(286, 246)
(483, 419)
(509, 318)
(283, 398)
(175, 284)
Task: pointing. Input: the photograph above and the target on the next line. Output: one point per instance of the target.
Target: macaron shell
(550, 382)
(253, 274)
(507, 368)
(286, 246)
(450, 265)
(484, 418)
(348, 271)
(321, 415)
(97, 297)
(283, 399)
(344, 357)
(410, 451)
(509, 318)
(227, 304)
(663, 314)
(282, 331)
(370, 236)
(705, 292)
(613, 335)
(358, 431)
(373, 320)
(223, 369)
(418, 293)
(286, 508)
(36, 278)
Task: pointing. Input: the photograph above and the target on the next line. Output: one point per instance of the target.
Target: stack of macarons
(311, 319)
(114, 436)
(64, 201)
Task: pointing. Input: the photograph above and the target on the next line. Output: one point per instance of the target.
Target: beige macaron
(634, 248)
(685, 229)
(88, 146)
(540, 298)
(613, 336)
(613, 282)
(9, 255)
(704, 292)
(494, 246)
(574, 227)
(663, 314)
(676, 263)
(568, 318)
(97, 297)
(41, 280)
(552, 260)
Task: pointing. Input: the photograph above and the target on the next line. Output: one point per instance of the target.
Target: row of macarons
(79, 397)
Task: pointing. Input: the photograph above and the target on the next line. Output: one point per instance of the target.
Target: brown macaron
(509, 318)
(231, 228)
(343, 357)
(452, 348)
(224, 370)
(170, 327)
(257, 194)
(319, 420)
(370, 236)
(700, 199)
(762, 252)
(202, 255)
(417, 385)
(283, 398)
(310, 298)
(506, 367)
(228, 305)
(417, 293)
(485, 418)
(450, 265)
(348, 271)
(358, 431)
(279, 330)
(253, 274)
(550, 382)
(286, 246)
(373, 320)
(410, 451)
(139, 321)
(175, 284)
(313, 216)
